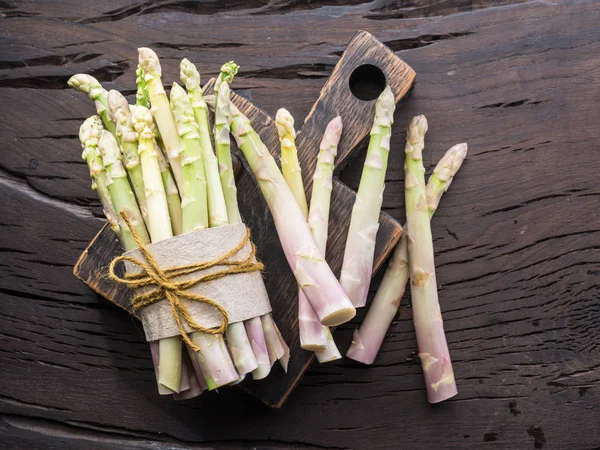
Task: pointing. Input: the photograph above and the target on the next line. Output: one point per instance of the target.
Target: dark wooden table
(517, 237)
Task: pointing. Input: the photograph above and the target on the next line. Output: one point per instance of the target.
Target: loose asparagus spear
(120, 191)
(290, 166)
(194, 198)
(368, 338)
(318, 215)
(119, 113)
(357, 267)
(94, 90)
(313, 335)
(237, 338)
(427, 317)
(169, 367)
(89, 134)
(214, 360)
(161, 110)
(216, 200)
(312, 272)
(141, 95)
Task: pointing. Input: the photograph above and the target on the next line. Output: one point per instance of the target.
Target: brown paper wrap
(243, 295)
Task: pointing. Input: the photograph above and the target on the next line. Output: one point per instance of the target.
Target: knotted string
(176, 291)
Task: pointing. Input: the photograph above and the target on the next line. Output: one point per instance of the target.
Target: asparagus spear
(290, 166)
(169, 367)
(89, 134)
(118, 110)
(216, 200)
(194, 199)
(427, 317)
(368, 338)
(256, 337)
(141, 94)
(124, 200)
(173, 199)
(357, 267)
(284, 360)
(274, 348)
(313, 335)
(222, 140)
(120, 191)
(161, 110)
(214, 360)
(312, 272)
(196, 366)
(94, 90)
(318, 215)
(195, 386)
(237, 338)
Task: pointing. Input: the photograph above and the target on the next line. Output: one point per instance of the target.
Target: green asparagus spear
(120, 114)
(162, 111)
(357, 267)
(94, 90)
(121, 194)
(89, 135)
(169, 367)
(217, 208)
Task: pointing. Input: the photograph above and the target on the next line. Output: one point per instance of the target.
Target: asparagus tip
(336, 124)
(417, 129)
(89, 133)
(332, 134)
(177, 93)
(117, 104)
(189, 75)
(285, 124)
(228, 71)
(107, 140)
(148, 60)
(460, 153)
(83, 83)
(142, 121)
(182, 110)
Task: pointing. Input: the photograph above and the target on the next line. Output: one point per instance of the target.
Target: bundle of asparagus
(140, 193)
(148, 198)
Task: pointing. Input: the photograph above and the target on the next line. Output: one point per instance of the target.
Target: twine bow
(176, 291)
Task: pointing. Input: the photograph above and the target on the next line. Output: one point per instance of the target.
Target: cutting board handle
(336, 98)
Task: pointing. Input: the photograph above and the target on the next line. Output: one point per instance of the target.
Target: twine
(176, 291)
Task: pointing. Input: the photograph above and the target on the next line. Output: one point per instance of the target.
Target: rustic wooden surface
(335, 98)
(515, 237)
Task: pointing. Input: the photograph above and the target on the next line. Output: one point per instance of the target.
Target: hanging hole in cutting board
(367, 82)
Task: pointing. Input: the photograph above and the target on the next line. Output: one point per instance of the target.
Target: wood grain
(335, 98)
(516, 236)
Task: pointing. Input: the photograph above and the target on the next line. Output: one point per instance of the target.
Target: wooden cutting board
(365, 64)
